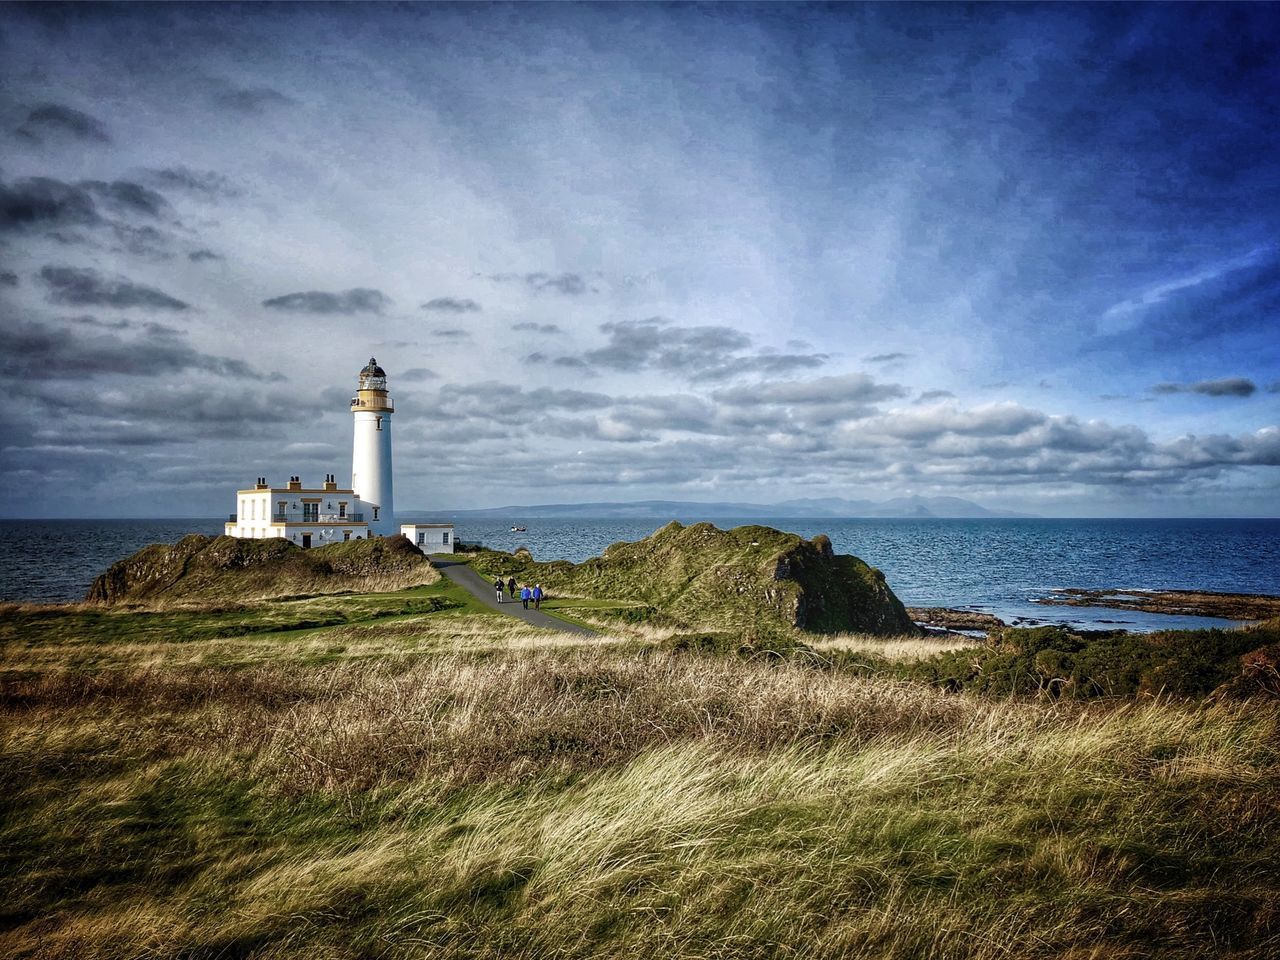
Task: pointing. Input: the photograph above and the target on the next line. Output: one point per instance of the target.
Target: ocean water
(996, 566)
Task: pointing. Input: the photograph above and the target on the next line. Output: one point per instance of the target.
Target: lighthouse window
(375, 513)
(379, 423)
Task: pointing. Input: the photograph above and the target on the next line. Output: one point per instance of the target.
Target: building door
(306, 541)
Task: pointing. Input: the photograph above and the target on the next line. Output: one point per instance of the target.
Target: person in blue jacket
(537, 596)
(525, 595)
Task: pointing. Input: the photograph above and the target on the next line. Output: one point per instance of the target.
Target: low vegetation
(407, 774)
(508, 792)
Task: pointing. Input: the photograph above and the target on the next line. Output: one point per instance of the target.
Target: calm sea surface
(999, 566)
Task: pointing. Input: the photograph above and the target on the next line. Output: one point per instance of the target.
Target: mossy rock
(750, 577)
(199, 568)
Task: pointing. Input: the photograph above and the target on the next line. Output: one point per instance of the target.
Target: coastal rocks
(228, 569)
(950, 619)
(749, 577)
(1196, 603)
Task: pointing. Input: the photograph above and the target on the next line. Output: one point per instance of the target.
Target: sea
(995, 566)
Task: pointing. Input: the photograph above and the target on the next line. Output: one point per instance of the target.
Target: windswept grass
(468, 788)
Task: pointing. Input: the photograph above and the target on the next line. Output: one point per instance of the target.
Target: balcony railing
(316, 518)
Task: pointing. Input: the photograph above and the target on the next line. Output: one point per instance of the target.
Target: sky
(1028, 255)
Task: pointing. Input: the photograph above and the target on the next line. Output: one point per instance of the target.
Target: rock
(955, 619)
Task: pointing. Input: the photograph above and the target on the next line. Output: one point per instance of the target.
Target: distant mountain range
(898, 507)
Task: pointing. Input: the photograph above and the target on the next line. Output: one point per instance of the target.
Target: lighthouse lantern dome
(373, 377)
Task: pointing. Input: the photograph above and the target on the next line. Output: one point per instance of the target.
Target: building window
(310, 512)
(444, 538)
(422, 538)
(342, 509)
(346, 534)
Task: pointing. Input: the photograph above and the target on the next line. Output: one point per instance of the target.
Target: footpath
(482, 590)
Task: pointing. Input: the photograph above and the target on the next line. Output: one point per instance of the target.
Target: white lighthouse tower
(371, 449)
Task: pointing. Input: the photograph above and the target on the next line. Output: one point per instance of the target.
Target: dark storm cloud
(57, 119)
(200, 256)
(45, 202)
(568, 284)
(8, 278)
(346, 302)
(1228, 387)
(928, 395)
(887, 357)
(415, 374)
(532, 327)
(87, 287)
(205, 183)
(51, 352)
(452, 305)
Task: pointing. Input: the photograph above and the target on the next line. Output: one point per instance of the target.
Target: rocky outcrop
(228, 569)
(749, 577)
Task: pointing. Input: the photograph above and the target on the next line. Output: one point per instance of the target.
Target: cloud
(45, 202)
(853, 388)
(929, 395)
(567, 284)
(57, 119)
(414, 374)
(709, 352)
(87, 287)
(1228, 387)
(532, 327)
(127, 196)
(8, 278)
(450, 333)
(887, 357)
(1125, 314)
(200, 256)
(205, 183)
(249, 99)
(452, 305)
(91, 348)
(346, 302)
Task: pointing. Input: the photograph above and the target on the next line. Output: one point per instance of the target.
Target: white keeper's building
(314, 516)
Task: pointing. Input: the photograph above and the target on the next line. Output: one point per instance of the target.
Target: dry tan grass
(901, 649)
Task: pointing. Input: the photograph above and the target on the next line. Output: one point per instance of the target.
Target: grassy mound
(748, 578)
(228, 569)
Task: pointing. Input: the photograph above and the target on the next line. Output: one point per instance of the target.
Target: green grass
(414, 782)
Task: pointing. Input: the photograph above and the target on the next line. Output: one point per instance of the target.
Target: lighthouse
(371, 450)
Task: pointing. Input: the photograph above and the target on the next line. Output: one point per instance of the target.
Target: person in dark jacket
(498, 585)
(525, 595)
(511, 587)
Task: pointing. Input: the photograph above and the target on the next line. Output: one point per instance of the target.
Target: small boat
(519, 529)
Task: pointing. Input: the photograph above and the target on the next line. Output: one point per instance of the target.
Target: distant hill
(904, 507)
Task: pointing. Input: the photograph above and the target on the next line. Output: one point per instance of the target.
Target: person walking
(511, 588)
(525, 594)
(497, 585)
(537, 596)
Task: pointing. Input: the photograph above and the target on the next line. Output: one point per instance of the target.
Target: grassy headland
(407, 774)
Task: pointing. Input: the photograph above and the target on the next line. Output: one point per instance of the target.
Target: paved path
(482, 590)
